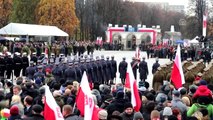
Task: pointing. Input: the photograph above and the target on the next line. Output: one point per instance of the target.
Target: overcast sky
(173, 2)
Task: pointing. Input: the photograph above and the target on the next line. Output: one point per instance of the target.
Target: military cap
(56, 63)
(34, 53)
(102, 57)
(24, 53)
(64, 61)
(1, 54)
(31, 62)
(43, 53)
(163, 66)
(107, 57)
(51, 61)
(201, 60)
(87, 60)
(143, 57)
(112, 56)
(200, 74)
(40, 67)
(9, 53)
(97, 58)
(157, 59)
(159, 68)
(85, 56)
(189, 59)
(76, 63)
(45, 61)
(70, 64)
(39, 61)
(206, 69)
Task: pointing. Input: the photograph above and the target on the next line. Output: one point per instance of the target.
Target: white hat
(24, 53)
(167, 111)
(9, 53)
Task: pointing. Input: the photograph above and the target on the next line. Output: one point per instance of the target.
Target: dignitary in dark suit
(25, 63)
(134, 65)
(143, 70)
(30, 71)
(155, 66)
(122, 70)
(114, 68)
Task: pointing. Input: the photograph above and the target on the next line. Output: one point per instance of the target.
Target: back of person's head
(172, 117)
(14, 110)
(37, 109)
(67, 109)
(57, 86)
(16, 99)
(155, 115)
(191, 118)
(150, 106)
(28, 100)
(150, 96)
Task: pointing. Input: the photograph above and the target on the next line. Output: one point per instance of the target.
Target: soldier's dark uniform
(57, 72)
(63, 67)
(90, 72)
(143, 70)
(114, 68)
(78, 72)
(108, 70)
(34, 58)
(95, 69)
(2, 67)
(122, 70)
(134, 65)
(155, 67)
(100, 71)
(104, 67)
(30, 71)
(70, 73)
(17, 65)
(158, 78)
(9, 66)
(25, 64)
(39, 76)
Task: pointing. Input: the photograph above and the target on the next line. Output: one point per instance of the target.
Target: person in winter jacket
(67, 113)
(128, 113)
(177, 102)
(204, 98)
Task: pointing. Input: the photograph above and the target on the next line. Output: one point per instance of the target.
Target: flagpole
(73, 110)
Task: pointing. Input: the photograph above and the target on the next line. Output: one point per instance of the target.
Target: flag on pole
(51, 109)
(137, 53)
(204, 23)
(177, 70)
(84, 100)
(135, 97)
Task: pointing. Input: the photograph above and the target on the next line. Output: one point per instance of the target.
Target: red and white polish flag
(137, 53)
(135, 97)
(85, 102)
(177, 76)
(204, 23)
(51, 109)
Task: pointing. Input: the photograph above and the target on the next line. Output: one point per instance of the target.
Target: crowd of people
(23, 92)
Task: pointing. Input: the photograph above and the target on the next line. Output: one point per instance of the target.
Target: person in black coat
(134, 65)
(9, 65)
(108, 70)
(57, 72)
(104, 69)
(78, 72)
(122, 70)
(28, 101)
(117, 104)
(100, 71)
(36, 113)
(70, 73)
(17, 64)
(30, 71)
(2, 66)
(95, 69)
(143, 70)
(155, 66)
(34, 58)
(114, 68)
(25, 63)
